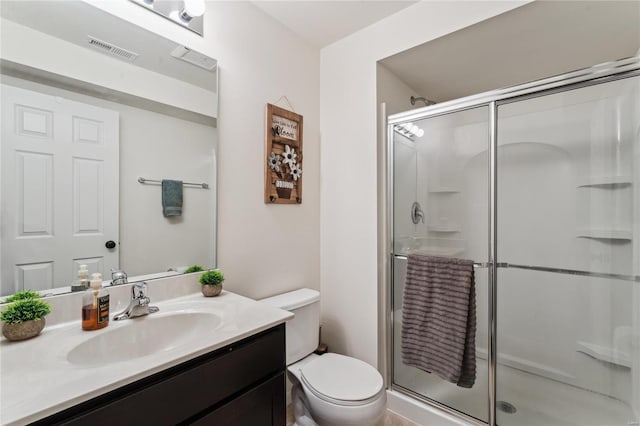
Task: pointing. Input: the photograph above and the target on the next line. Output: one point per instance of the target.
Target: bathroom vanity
(197, 361)
(239, 384)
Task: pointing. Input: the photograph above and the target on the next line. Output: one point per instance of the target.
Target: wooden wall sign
(283, 156)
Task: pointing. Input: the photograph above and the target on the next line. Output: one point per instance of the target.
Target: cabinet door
(263, 405)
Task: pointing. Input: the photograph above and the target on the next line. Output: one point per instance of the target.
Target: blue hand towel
(171, 197)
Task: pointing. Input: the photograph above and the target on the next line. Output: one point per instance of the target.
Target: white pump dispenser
(96, 281)
(82, 283)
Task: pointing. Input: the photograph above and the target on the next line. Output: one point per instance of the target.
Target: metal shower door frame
(597, 74)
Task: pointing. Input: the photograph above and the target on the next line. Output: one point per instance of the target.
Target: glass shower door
(568, 250)
(441, 192)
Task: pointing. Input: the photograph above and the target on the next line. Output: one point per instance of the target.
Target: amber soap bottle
(95, 305)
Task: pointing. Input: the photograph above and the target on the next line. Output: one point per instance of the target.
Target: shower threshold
(537, 400)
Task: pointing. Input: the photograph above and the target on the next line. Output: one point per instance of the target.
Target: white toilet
(339, 390)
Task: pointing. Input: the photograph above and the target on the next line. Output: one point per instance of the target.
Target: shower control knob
(110, 244)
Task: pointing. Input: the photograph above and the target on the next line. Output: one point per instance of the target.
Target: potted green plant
(193, 268)
(211, 282)
(22, 295)
(24, 318)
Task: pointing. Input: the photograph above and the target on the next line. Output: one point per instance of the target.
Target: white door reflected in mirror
(60, 174)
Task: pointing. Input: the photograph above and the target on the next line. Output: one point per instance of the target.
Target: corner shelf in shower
(438, 251)
(614, 181)
(606, 234)
(443, 190)
(430, 246)
(444, 228)
(604, 353)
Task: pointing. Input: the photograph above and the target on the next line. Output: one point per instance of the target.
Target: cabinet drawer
(183, 391)
(262, 406)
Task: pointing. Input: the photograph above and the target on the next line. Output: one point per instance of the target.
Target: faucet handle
(118, 277)
(138, 290)
(417, 215)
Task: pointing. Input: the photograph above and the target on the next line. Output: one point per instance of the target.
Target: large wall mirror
(91, 104)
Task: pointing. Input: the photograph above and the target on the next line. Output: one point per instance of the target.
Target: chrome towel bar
(634, 278)
(475, 264)
(201, 185)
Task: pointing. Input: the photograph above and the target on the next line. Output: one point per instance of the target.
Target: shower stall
(539, 185)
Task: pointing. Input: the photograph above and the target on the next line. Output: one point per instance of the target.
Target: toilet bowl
(338, 390)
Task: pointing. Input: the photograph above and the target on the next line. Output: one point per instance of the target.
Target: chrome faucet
(139, 304)
(118, 277)
(417, 215)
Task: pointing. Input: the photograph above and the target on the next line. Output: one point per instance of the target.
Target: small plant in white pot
(211, 282)
(193, 268)
(24, 318)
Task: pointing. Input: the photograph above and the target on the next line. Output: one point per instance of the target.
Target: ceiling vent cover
(112, 49)
(195, 58)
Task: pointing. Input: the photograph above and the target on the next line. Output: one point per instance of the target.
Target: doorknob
(110, 244)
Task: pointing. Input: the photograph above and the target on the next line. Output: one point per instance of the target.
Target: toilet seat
(342, 380)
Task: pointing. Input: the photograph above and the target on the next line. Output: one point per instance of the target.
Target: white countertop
(38, 380)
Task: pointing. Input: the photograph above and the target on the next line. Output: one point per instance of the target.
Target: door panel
(34, 179)
(88, 181)
(567, 178)
(38, 275)
(446, 171)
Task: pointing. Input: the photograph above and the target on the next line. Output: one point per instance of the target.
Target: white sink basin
(143, 336)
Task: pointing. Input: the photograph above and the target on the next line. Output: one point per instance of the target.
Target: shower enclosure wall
(540, 186)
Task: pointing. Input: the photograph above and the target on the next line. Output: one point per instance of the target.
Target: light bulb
(192, 9)
(420, 133)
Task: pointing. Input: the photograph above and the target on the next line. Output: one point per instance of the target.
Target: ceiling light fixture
(409, 131)
(187, 13)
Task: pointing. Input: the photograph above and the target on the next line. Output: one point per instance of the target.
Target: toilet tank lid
(293, 299)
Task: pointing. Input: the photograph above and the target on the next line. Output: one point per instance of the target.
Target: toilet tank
(303, 329)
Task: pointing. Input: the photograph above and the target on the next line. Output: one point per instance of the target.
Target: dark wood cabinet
(240, 384)
(257, 407)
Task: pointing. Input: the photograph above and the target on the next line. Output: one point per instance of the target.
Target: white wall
(348, 260)
(262, 249)
(393, 91)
